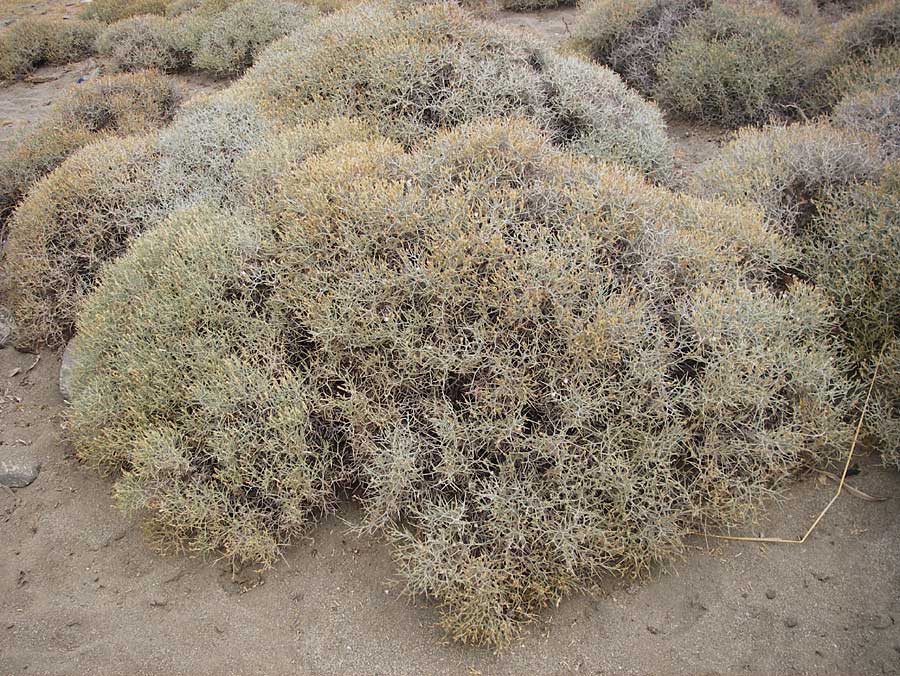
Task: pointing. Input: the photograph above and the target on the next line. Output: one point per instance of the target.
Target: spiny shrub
(35, 41)
(216, 423)
(874, 26)
(255, 175)
(202, 8)
(871, 70)
(823, 187)
(233, 38)
(146, 42)
(198, 152)
(534, 367)
(85, 212)
(883, 416)
(785, 169)
(72, 222)
(525, 5)
(630, 36)
(735, 64)
(414, 71)
(852, 251)
(875, 112)
(117, 104)
(110, 11)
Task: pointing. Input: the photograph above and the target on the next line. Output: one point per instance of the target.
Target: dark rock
(770, 594)
(790, 622)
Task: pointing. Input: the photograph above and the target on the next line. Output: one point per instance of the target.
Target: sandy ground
(81, 592)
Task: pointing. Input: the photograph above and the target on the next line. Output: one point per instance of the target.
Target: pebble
(770, 594)
(790, 622)
(18, 467)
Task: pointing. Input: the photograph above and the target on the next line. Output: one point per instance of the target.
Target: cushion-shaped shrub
(823, 187)
(533, 367)
(870, 70)
(110, 11)
(232, 39)
(85, 212)
(785, 169)
(38, 41)
(525, 5)
(117, 104)
(216, 424)
(873, 26)
(875, 112)
(147, 42)
(71, 223)
(737, 63)
(631, 36)
(416, 70)
(852, 251)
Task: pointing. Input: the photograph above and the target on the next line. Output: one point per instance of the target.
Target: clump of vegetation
(110, 11)
(224, 444)
(883, 417)
(117, 104)
(414, 71)
(84, 213)
(737, 63)
(146, 42)
(71, 223)
(525, 5)
(632, 37)
(232, 39)
(786, 169)
(874, 26)
(534, 368)
(221, 37)
(852, 251)
(33, 42)
(871, 70)
(828, 190)
(875, 112)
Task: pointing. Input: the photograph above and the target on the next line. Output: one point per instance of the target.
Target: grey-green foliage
(148, 41)
(219, 37)
(232, 39)
(851, 249)
(632, 36)
(117, 105)
(416, 70)
(737, 63)
(217, 425)
(875, 112)
(785, 169)
(85, 213)
(32, 42)
(533, 367)
(110, 11)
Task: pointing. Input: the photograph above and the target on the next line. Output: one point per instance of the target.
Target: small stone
(790, 622)
(770, 594)
(65, 370)
(882, 622)
(653, 630)
(159, 602)
(18, 468)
